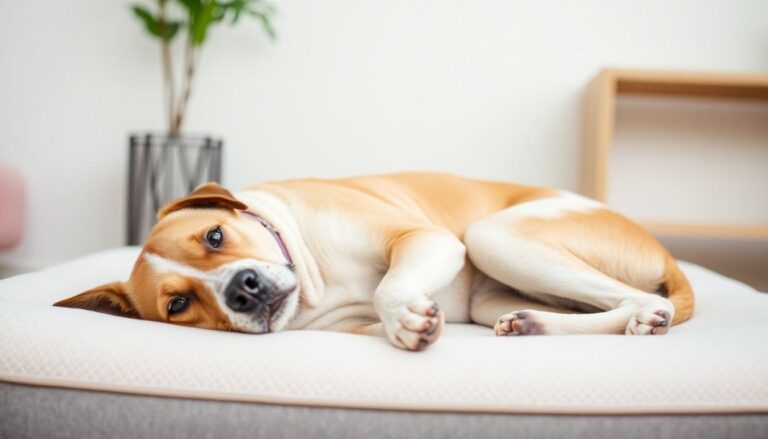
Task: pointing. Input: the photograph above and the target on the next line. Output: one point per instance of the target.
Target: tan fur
(109, 298)
(680, 292)
(618, 248)
(151, 293)
(177, 236)
(398, 201)
(396, 211)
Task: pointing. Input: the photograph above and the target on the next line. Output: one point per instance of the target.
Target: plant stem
(191, 65)
(168, 81)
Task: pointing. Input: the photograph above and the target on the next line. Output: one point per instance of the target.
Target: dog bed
(715, 364)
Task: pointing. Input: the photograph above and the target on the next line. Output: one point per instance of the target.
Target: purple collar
(274, 232)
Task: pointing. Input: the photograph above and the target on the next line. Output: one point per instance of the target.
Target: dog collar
(274, 232)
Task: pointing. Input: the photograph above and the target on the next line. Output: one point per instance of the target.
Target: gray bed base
(30, 412)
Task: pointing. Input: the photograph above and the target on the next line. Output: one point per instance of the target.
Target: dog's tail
(679, 291)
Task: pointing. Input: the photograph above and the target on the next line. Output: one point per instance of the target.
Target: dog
(399, 255)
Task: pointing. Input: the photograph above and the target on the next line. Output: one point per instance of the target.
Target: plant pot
(162, 168)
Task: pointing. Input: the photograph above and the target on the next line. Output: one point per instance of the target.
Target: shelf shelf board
(600, 118)
(756, 231)
(707, 85)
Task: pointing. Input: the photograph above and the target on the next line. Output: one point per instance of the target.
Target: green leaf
(218, 13)
(150, 24)
(201, 14)
(193, 6)
(199, 27)
(236, 16)
(265, 23)
(158, 29)
(171, 29)
(236, 7)
(267, 8)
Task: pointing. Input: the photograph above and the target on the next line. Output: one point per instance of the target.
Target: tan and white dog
(376, 255)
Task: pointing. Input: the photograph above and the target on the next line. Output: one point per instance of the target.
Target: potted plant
(169, 165)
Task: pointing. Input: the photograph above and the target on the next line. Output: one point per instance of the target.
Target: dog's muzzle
(248, 292)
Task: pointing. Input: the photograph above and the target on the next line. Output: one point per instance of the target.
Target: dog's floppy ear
(208, 195)
(110, 298)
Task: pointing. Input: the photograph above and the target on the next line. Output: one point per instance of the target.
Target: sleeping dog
(399, 255)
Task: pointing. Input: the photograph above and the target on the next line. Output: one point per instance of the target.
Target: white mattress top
(717, 362)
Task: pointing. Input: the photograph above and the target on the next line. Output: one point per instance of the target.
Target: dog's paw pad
(646, 322)
(419, 325)
(424, 307)
(519, 323)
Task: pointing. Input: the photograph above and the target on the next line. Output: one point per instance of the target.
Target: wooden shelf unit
(600, 120)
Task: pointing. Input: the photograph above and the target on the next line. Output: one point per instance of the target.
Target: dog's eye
(177, 305)
(215, 237)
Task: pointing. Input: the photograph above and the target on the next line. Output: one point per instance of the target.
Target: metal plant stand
(163, 168)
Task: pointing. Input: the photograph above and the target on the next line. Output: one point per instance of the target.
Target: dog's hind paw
(645, 322)
(519, 323)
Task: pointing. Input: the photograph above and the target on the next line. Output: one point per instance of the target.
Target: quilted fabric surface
(717, 362)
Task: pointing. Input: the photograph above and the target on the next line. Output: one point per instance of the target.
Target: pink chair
(12, 208)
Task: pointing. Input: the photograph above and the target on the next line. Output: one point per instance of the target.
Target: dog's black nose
(247, 290)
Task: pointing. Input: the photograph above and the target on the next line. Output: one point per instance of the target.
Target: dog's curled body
(400, 254)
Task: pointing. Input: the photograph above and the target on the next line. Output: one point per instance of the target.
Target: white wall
(487, 88)
(690, 161)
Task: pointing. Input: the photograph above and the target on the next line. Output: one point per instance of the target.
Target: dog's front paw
(519, 323)
(415, 326)
(649, 322)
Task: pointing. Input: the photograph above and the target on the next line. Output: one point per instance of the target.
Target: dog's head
(206, 263)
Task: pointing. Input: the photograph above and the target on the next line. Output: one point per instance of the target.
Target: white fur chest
(350, 255)
(351, 260)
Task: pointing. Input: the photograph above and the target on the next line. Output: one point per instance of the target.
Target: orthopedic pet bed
(74, 373)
